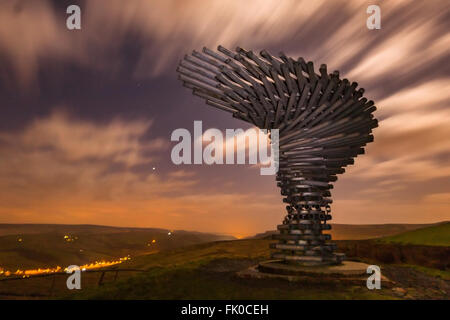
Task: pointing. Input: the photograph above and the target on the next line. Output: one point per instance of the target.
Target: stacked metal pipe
(324, 122)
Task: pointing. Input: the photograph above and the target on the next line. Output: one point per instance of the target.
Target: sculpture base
(345, 268)
(311, 261)
(348, 272)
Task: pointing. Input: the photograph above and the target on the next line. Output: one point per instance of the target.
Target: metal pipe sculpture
(324, 123)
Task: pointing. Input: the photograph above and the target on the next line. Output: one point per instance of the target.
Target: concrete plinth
(348, 272)
(346, 268)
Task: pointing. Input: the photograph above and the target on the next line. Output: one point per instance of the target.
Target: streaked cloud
(168, 29)
(61, 167)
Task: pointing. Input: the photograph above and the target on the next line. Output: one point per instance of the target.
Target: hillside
(208, 271)
(363, 231)
(43, 246)
(203, 271)
(191, 265)
(438, 235)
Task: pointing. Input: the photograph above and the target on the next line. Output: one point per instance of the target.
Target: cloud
(443, 198)
(378, 212)
(77, 170)
(405, 169)
(332, 32)
(427, 96)
(30, 32)
(59, 169)
(410, 140)
(74, 140)
(59, 155)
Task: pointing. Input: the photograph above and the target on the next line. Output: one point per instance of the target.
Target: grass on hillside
(438, 235)
(207, 271)
(443, 274)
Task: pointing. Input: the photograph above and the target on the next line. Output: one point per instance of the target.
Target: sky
(87, 115)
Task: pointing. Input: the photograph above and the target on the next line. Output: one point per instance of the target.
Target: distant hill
(437, 235)
(362, 231)
(8, 229)
(27, 246)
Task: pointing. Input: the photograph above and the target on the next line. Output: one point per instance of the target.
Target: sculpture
(324, 123)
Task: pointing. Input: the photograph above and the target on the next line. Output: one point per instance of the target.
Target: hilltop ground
(208, 271)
